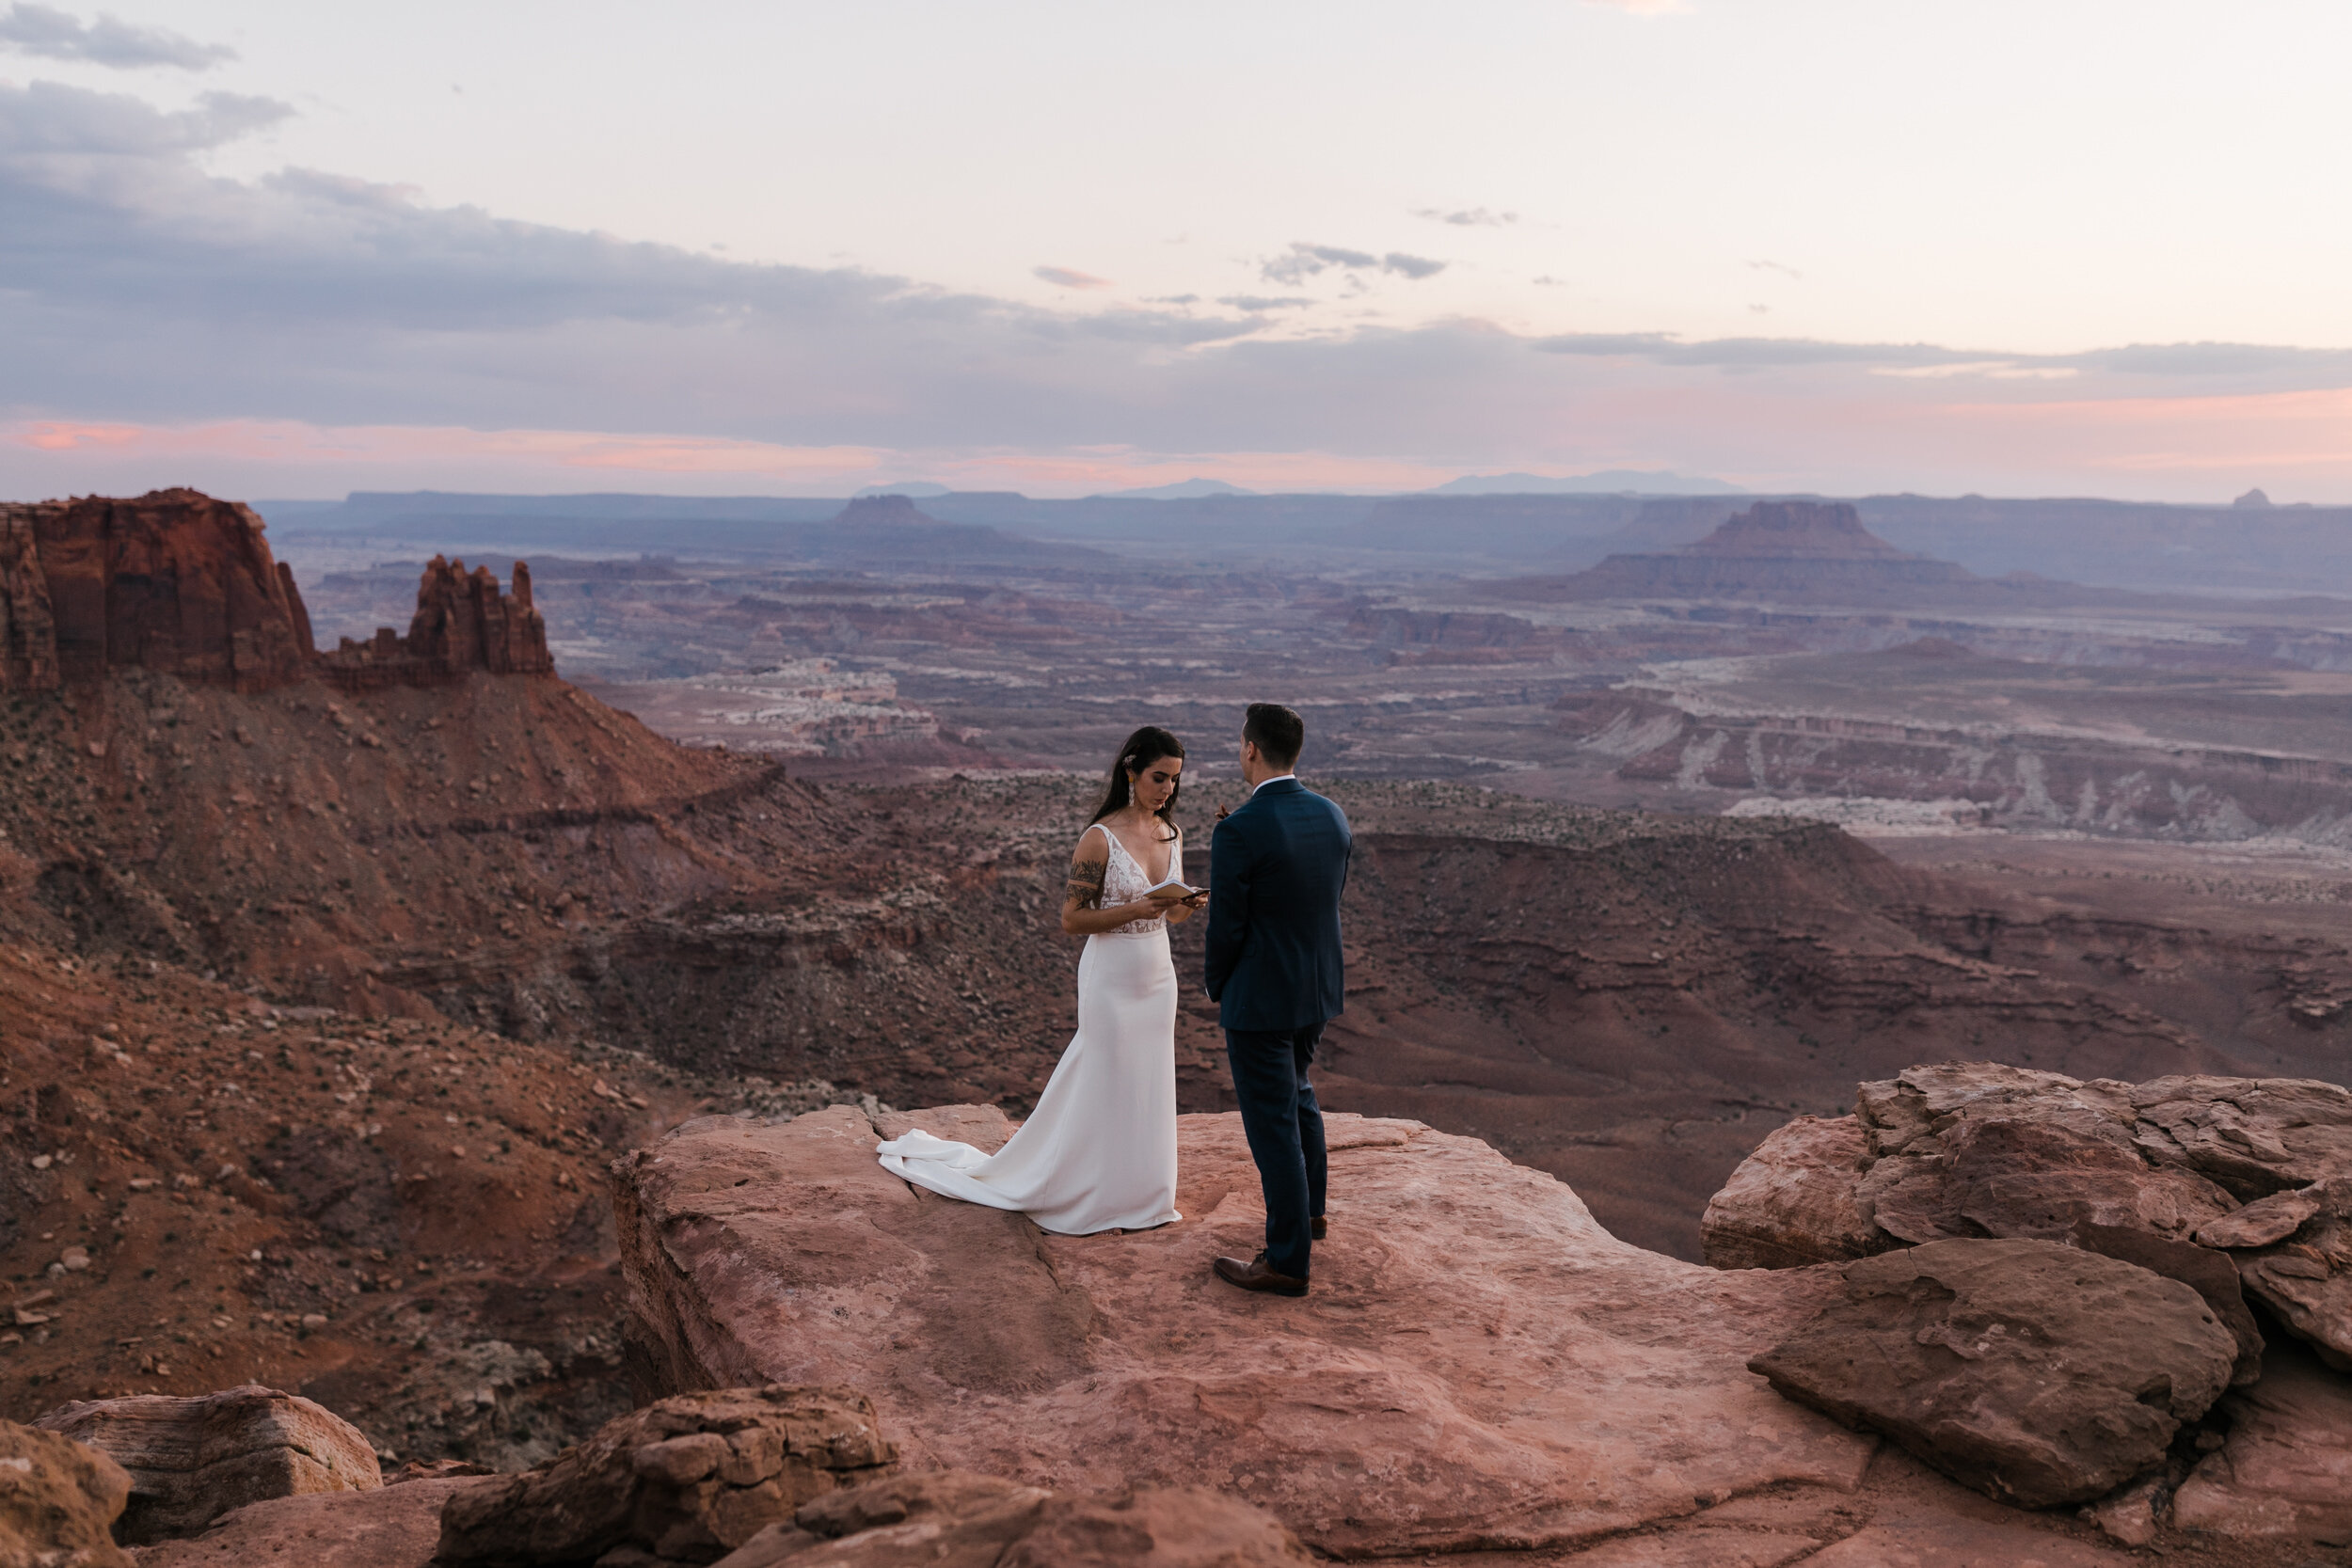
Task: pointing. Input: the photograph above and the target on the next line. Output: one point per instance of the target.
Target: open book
(1171, 889)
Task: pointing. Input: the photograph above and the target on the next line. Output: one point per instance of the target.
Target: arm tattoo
(1086, 882)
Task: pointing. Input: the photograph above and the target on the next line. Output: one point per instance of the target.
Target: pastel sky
(753, 246)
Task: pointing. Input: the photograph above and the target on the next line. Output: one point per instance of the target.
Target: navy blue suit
(1277, 869)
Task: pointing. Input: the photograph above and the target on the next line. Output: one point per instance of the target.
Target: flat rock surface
(956, 1519)
(394, 1527)
(2286, 1469)
(2039, 1373)
(1480, 1363)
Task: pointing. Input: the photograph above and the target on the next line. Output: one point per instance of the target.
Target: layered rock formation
(463, 624)
(1802, 550)
(689, 1477)
(181, 584)
(192, 1460)
(174, 581)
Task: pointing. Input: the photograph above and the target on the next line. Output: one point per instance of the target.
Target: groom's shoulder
(1323, 802)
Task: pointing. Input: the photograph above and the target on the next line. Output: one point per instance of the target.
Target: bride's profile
(1099, 1152)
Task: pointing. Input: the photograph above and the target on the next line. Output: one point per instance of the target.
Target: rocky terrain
(2234, 1190)
(331, 983)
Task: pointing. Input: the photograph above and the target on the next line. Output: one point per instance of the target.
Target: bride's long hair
(1140, 751)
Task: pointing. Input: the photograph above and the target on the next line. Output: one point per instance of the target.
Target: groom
(1276, 870)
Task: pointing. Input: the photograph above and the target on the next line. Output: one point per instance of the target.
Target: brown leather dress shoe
(1255, 1275)
(1315, 1228)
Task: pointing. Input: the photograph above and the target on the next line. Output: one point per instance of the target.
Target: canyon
(334, 981)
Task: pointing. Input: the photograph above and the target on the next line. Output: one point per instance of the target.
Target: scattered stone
(2038, 1373)
(2306, 1277)
(2262, 1222)
(192, 1460)
(2131, 1514)
(57, 1503)
(1792, 1201)
(1479, 1364)
(956, 1519)
(688, 1477)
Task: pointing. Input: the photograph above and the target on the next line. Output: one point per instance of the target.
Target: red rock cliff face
(28, 633)
(463, 624)
(174, 581)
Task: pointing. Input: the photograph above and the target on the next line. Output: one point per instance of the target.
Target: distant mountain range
(1183, 490)
(1609, 481)
(2136, 545)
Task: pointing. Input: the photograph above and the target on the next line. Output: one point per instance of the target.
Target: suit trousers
(1284, 1126)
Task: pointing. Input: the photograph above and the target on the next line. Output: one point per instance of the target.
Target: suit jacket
(1277, 867)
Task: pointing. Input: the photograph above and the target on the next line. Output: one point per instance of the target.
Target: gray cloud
(2204, 359)
(1264, 302)
(1303, 261)
(2238, 360)
(1467, 217)
(139, 285)
(48, 118)
(55, 35)
(140, 288)
(1665, 348)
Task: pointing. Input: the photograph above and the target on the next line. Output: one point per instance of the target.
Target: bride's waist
(1157, 928)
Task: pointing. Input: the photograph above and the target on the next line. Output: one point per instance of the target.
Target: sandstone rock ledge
(1479, 1365)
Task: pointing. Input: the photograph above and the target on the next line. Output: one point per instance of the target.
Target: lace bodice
(1124, 881)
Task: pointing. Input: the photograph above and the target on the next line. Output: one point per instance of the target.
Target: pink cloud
(1069, 277)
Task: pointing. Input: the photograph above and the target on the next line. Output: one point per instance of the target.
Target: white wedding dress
(1099, 1152)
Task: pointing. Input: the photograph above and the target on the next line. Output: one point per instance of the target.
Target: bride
(1099, 1153)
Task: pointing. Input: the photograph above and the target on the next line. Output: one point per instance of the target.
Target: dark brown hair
(1278, 733)
(1140, 751)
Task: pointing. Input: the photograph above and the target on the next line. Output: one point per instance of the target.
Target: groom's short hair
(1277, 732)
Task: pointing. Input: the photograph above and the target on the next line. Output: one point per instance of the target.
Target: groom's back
(1278, 867)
